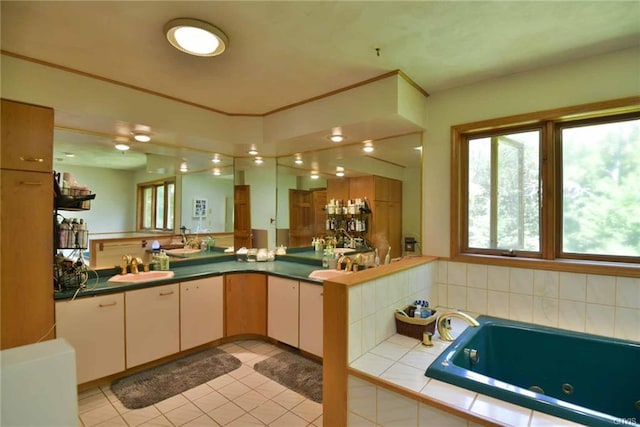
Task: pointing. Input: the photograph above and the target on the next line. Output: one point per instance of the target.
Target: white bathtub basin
(147, 276)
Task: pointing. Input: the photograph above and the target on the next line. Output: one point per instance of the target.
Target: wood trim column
(335, 361)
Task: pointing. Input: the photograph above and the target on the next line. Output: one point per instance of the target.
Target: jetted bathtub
(588, 379)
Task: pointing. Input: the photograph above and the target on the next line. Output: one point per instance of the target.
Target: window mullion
(493, 216)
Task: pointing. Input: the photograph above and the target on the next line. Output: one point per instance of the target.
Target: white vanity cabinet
(152, 323)
(201, 311)
(282, 316)
(94, 326)
(311, 317)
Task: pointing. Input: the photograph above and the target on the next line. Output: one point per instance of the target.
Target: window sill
(566, 265)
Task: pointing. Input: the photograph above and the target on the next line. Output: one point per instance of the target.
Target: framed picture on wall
(199, 208)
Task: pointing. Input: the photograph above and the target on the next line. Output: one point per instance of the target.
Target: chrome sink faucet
(443, 330)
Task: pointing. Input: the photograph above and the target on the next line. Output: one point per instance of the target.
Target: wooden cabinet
(311, 318)
(245, 304)
(201, 311)
(282, 319)
(27, 137)
(26, 229)
(94, 326)
(338, 189)
(152, 323)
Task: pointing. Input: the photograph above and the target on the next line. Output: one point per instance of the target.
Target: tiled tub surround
(596, 304)
(567, 300)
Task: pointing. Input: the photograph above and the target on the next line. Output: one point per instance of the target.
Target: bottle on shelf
(387, 258)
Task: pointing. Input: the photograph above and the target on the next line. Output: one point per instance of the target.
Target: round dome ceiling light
(368, 148)
(141, 137)
(195, 37)
(122, 147)
(314, 175)
(336, 138)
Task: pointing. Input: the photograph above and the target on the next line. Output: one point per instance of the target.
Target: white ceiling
(281, 53)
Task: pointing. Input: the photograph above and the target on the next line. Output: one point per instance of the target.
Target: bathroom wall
(111, 209)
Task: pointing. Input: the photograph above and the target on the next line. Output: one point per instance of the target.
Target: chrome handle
(111, 304)
(32, 159)
(31, 182)
(162, 294)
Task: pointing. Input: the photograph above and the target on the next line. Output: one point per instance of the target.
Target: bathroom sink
(342, 250)
(327, 274)
(147, 276)
(181, 251)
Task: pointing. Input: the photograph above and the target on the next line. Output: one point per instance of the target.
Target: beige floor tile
(289, 420)
(210, 401)
(114, 422)
(92, 401)
(140, 416)
(254, 379)
(234, 390)
(270, 389)
(184, 414)
(226, 413)
(197, 391)
(245, 421)
(221, 381)
(308, 410)
(250, 400)
(98, 415)
(171, 403)
(288, 399)
(202, 421)
(268, 411)
(242, 372)
(160, 421)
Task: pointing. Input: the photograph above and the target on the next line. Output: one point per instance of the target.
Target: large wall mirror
(204, 185)
(398, 158)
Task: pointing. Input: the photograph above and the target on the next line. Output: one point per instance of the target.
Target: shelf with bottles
(71, 196)
(70, 233)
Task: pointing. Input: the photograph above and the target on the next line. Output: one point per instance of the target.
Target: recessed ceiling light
(253, 152)
(69, 155)
(216, 159)
(368, 148)
(195, 37)
(336, 138)
(141, 137)
(314, 175)
(298, 161)
(340, 171)
(258, 160)
(184, 167)
(122, 147)
(216, 172)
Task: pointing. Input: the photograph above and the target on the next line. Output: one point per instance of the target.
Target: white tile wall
(597, 304)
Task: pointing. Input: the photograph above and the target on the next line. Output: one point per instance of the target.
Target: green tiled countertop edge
(186, 271)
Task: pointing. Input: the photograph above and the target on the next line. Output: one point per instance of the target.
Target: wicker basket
(414, 327)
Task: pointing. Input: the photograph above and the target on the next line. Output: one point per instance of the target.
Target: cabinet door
(245, 304)
(201, 311)
(282, 318)
(27, 137)
(311, 318)
(94, 326)
(152, 323)
(26, 233)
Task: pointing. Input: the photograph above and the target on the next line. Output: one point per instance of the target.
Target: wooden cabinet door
(152, 323)
(27, 137)
(245, 304)
(301, 225)
(311, 318)
(282, 317)
(201, 311)
(241, 216)
(94, 326)
(26, 233)
(338, 189)
(386, 228)
(319, 201)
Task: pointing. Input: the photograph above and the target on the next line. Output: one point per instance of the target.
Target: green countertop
(185, 271)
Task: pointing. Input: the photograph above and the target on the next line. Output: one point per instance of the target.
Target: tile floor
(241, 398)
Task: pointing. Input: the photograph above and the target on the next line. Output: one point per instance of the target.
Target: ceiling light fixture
(216, 172)
(336, 138)
(216, 159)
(339, 171)
(368, 148)
(253, 152)
(196, 37)
(258, 160)
(298, 160)
(122, 147)
(141, 137)
(183, 167)
(314, 175)
(69, 155)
